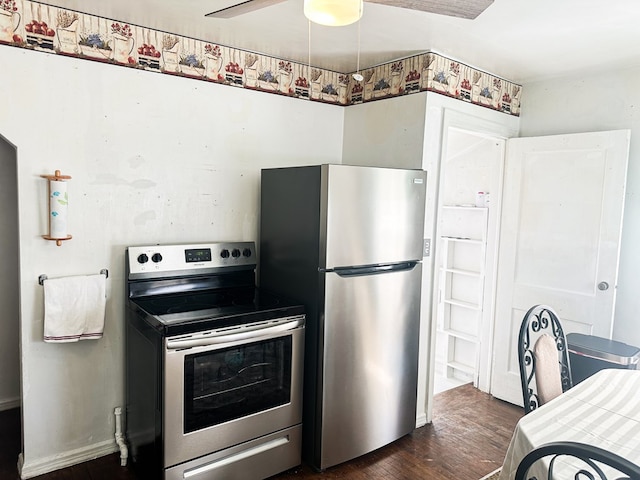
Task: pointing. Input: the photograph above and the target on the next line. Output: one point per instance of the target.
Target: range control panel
(153, 259)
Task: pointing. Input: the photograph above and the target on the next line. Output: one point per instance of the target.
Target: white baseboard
(421, 420)
(33, 468)
(9, 403)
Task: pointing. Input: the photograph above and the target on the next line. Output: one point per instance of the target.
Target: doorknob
(603, 286)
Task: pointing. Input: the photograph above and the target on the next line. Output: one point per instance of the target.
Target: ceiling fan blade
(241, 8)
(455, 8)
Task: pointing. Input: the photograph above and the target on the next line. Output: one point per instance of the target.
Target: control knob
(235, 253)
(156, 257)
(142, 258)
(224, 253)
(246, 252)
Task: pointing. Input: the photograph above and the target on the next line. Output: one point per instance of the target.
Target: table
(603, 410)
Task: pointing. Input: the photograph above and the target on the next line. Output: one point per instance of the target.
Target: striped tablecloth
(603, 410)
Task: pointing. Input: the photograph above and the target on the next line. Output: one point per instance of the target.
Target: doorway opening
(9, 280)
(468, 206)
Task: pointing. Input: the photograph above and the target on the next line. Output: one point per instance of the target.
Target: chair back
(545, 371)
(547, 374)
(592, 463)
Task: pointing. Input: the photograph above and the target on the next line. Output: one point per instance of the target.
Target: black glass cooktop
(189, 302)
(212, 306)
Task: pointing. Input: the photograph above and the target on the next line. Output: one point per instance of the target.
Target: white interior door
(559, 241)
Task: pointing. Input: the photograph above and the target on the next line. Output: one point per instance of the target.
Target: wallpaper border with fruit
(45, 28)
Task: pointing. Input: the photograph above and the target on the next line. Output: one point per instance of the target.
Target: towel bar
(43, 277)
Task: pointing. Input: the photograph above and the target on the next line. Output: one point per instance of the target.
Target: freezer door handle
(373, 270)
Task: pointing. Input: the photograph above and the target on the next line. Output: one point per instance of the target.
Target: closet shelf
(462, 234)
(466, 207)
(462, 240)
(462, 304)
(471, 370)
(458, 271)
(461, 335)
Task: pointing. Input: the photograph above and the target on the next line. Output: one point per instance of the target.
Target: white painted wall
(387, 133)
(9, 279)
(154, 158)
(604, 101)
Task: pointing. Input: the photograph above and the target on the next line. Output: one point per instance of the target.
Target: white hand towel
(74, 308)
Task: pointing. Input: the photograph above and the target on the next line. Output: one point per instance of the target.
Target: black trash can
(589, 354)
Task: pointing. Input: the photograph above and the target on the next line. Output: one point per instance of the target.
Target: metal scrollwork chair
(543, 357)
(591, 465)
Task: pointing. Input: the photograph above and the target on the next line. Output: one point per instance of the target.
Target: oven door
(229, 386)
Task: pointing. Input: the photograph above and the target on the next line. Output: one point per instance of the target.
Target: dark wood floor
(467, 439)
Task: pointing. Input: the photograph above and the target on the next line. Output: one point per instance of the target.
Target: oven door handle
(228, 336)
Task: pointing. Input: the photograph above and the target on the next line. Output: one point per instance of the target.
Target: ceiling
(519, 40)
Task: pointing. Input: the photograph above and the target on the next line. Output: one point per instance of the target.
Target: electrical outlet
(427, 247)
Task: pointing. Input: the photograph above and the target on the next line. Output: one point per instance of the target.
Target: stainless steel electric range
(213, 365)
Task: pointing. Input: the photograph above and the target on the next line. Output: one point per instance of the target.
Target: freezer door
(369, 361)
(373, 215)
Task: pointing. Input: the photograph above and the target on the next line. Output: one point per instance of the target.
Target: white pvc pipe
(124, 453)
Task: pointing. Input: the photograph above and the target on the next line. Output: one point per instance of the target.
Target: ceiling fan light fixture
(333, 13)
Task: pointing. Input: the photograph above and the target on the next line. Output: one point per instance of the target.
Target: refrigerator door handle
(373, 270)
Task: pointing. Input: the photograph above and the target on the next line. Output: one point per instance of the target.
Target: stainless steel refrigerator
(347, 242)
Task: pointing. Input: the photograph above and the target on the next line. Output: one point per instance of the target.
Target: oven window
(234, 382)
